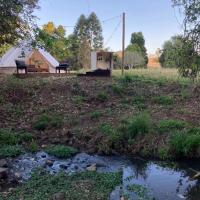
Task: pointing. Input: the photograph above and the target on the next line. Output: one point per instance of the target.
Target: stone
(92, 168)
(58, 196)
(49, 163)
(3, 173)
(63, 166)
(17, 175)
(3, 163)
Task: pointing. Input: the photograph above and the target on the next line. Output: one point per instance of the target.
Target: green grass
(95, 115)
(84, 186)
(45, 121)
(164, 100)
(10, 151)
(170, 125)
(78, 99)
(138, 125)
(185, 144)
(117, 89)
(102, 96)
(8, 137)
(61, 151)
(141, 191)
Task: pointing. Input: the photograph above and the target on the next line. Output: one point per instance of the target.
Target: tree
(53, 39)
(137, 45)
(88, 36)
(191, 10)
(169, 52)
(95, 32)
(134, 59)
(189, 55)
(16, 19)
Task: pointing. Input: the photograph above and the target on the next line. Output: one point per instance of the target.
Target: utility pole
(123, 42)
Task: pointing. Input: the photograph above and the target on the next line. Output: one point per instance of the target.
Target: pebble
(3, 163)
(92, 168)
(3, 173)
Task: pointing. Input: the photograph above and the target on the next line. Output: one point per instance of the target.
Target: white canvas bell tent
(40, 58)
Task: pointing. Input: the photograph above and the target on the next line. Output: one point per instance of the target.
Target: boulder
(3, 173)
(92, 168)
(58, 196)
(49, 163)
(3, 163)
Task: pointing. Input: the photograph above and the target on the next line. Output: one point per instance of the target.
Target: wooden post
(123, 42)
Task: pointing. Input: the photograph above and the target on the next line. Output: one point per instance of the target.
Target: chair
(21, 65)
(62, 66)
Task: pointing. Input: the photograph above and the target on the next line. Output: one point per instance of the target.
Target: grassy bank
(146, 112)
(88, 185)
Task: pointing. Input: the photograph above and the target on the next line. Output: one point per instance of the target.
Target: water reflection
(165, 180)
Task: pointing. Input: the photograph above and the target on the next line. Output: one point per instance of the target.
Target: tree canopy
(169, 52)
(53, 39)
(16, 19)
(137, 46)
(188, 60)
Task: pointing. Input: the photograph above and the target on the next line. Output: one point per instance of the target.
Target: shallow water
(158, 180)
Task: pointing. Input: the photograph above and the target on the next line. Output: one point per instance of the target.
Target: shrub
(95, 115)
(61, 151)
(184, 144)
(140, 124)
(164, 100)
(106, 129)
(171, 125)
(10, 151)
(102, 96)
(44, 121)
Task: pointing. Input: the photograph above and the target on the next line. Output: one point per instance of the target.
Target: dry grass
(163, 73)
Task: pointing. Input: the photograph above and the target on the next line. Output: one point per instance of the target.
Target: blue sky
(155, 18)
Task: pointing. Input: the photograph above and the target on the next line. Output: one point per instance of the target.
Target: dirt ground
(86, 103)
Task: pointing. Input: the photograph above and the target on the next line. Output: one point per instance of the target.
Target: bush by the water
(61, 151)
(185, 143)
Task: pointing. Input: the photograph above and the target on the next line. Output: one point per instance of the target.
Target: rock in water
(3, 173)
(92, 168)
(3, 163)
(58, 196)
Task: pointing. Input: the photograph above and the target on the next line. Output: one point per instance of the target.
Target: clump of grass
(8, 138)
(95, 115)
(78, 99)
(33, 147)
(138, 125)
(141, 191)
(115, 137)
(163, 153)
(102, 96)
(117, 89)
(10, 151)
(25, 137)
(185, 143)
(171, 125)
(84, 186)
(46, 121)
(61, 151)
(139, 101)
(164, 100)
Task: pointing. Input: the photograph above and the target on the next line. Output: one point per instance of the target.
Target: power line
(112, 34)
(109, 19)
